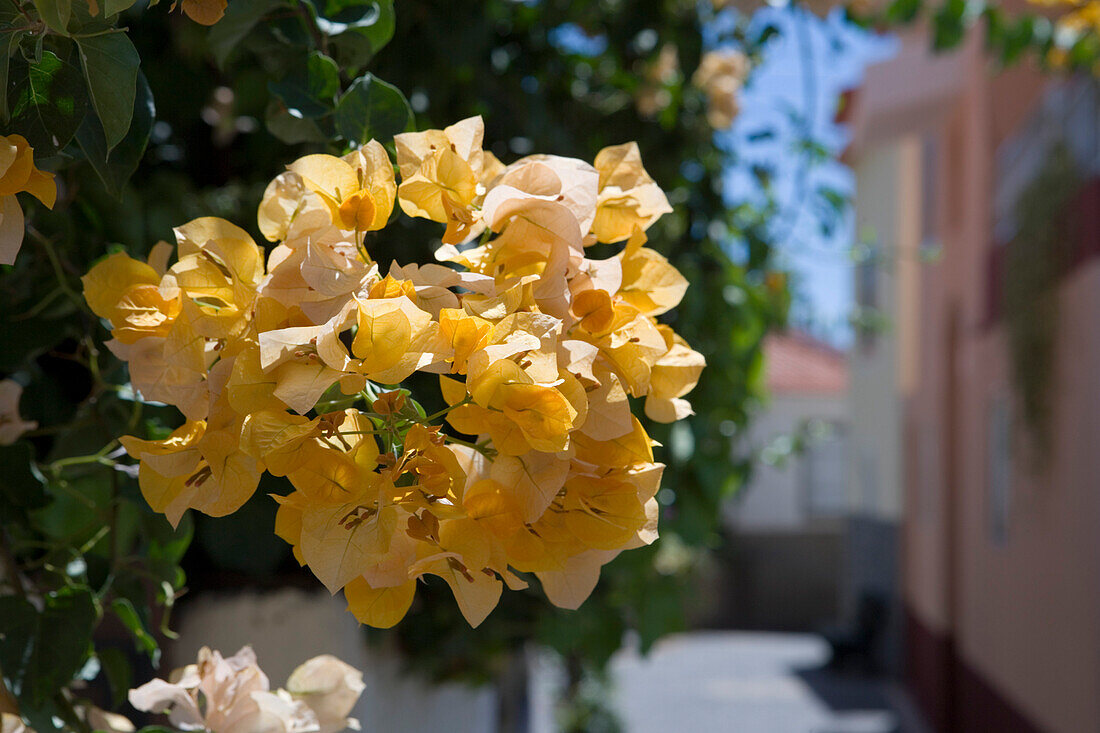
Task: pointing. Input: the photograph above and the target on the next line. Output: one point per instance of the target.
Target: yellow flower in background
(293, 366)
(653, 96)
(721, 74)
(1083, 18)
(205, 12)
(18, 174)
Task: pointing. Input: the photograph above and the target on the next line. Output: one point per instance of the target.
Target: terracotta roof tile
(798, 362)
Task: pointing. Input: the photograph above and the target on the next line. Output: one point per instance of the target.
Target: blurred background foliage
(150, 120)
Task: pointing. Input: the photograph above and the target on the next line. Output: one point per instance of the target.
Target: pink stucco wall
(1023, 614)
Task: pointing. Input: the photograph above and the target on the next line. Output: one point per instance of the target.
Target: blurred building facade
(998, 520)
(784, 558)
(892, 116)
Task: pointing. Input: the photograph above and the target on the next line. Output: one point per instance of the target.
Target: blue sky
(806, 67)
(790, 97)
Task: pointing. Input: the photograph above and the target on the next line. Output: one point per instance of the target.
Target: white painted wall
(777, 497)
(887, 204)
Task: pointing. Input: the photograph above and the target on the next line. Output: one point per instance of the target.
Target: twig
(59, 271)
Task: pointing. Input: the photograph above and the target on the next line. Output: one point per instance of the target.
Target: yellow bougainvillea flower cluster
(19, 174)
(653, 95)
(721, 74)
(536, 463)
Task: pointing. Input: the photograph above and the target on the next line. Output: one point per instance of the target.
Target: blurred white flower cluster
(11, 425)
(233, 695)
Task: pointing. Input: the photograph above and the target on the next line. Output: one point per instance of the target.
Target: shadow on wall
(780, 581)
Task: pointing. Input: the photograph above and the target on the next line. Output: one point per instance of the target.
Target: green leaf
(165, 543)
(111, 7)
(323, 76)
(374, 18)
(18, 626)
(20, 482)
(73, 516)
(126, 613)
(239, 19)
(949, 26)
(40, 653)
(56, 14)
(309, 92)
(901, 12)
(9, 43)
(355, 42)
(110, 64)
(50, 105)
(372, 108)
(165, 547)
(289, 128)
(115, 167)
(66, 630)
(1083, 53)
(83, 24)
(661, 613)
(9, 12)
(116, 667)
(1017, 40)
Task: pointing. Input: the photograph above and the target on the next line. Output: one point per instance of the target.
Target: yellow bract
(284, 367)
(358, 192)
(19, 174)
(628, 197)
(206, 12)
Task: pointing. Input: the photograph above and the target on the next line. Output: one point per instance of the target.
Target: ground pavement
(749, 682)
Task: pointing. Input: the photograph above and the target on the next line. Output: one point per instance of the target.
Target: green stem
(39, 306)
(106, 32)
(481, 448)
(337, 405)
(436, 415)
(56, 466)
(361, 245)
(58, 270)
(100, 534)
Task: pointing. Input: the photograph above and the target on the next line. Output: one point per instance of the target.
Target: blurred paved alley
(751, 682)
